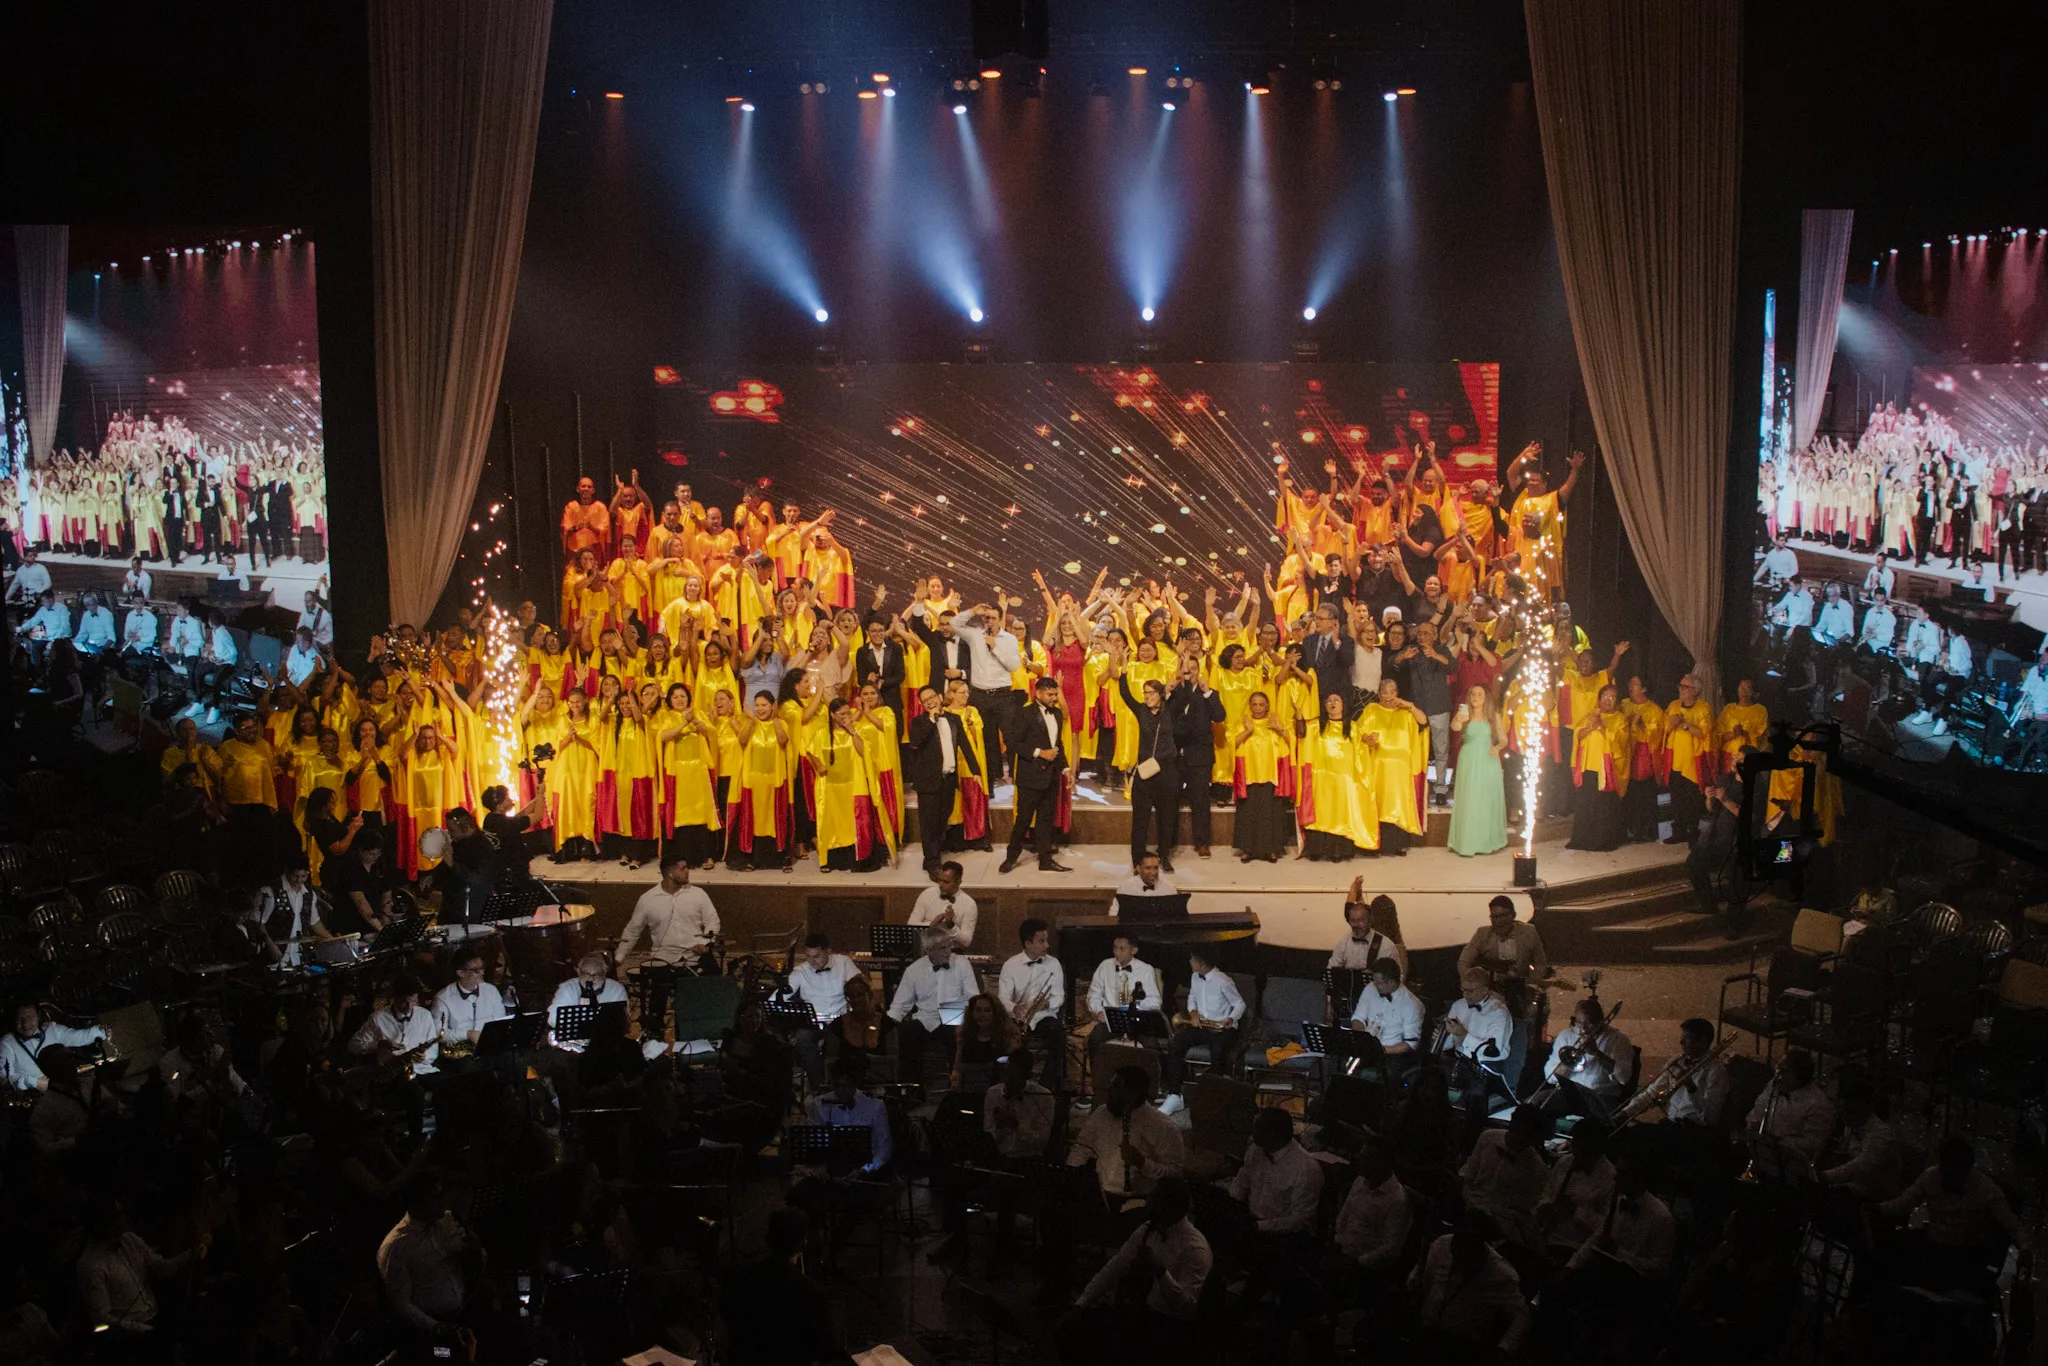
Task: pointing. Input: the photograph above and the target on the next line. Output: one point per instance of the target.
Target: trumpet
(1026, 1011)
(1665, 1085)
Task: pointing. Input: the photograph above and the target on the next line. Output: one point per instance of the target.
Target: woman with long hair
(1479, 810)
(572, 783)
(1397, 733)
(1235, 681)
(1260, 768)
(757, 810)
(849, 830)
(689, 818)
(1335, 804)
(985, 1037)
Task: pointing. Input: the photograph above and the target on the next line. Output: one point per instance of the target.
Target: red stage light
(667, 374)
(614, 95)
(675, 457)
(724, 403)
(990, 74)
(1404, 90)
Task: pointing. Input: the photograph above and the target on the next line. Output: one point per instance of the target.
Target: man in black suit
(177, 508)
(937, 753)
(1154, 795)
(1327, 654)
(1962, 524)
(1926, 508)
(1196, 711)
(277, 518)
(950, 656)
(1041, 762)
(880, 662)
(2034, 528)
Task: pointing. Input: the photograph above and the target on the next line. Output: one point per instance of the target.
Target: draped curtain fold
(455, 109)
(1823, 266)
(1640, 105)
(42, 254)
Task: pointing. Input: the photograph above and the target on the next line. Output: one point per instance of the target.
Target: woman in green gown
(1479, 808)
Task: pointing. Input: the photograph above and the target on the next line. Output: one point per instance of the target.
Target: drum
(448, 944)
(433, 844)
(541, 949)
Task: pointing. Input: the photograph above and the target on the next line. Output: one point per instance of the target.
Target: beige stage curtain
(454, 106)
(1641, 109)
(1823, 267)
(42, 254)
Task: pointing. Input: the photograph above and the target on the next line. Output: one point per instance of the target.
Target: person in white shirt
(1638, 1234)
(845, 1106)
(1881, 578)
(302, 661)
(468, 1003)
(1033, 989)
(30, 581)
(1215, 1017)
(115, 1269)
(1780, 563)
(1596, 1059)
(32, 1034)
(1880, 625)
(1373, 1224)
(291, 910)
(820, 982)
(933, 996)
(992, 657)
(51, 620)
(679, 920)
(1016, 1124)
(1122, 979)
(138, 583)
(1279, 1183)
(1133, 1145)
(1577, 1192)
(945, 905)
(1477, 1025)
(185, 640)
(1366, 943)
(95, 631)
(1703, 1096)
(1141, 1306)
(1795, 609)
(1149, 879)
(1923, 638)
(2033, 701)
(1467, 1290)
(318, 620)
(138, 630)
(401, 1030)
(1793, 1110)
(1868, 1160)
(427, 1264)
(1389, 1012)
(221, 644)
(1959, 661)
(591, 987)
(199, 1066)
(1837, 619)
(1505, 1173)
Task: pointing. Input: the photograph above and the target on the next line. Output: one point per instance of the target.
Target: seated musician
(31, 1035)
(1142, 1304)
(1281, 1187)
(1864, 1157)
(428, 1263)
(819, 981)
(863, 1031)
(938, 985)
(401, 1031)
(1373, 1224)
(1616, 1278)
(589, 987)
(1512, 953)
(292, 911)
(1369, 938)
(1133, 1146)
(1391, 1013)
(198, 1066)
(1578, 1193)
(1793, 1109)
(844, 1105)
(946, 907)
(1592, 1064)
(679, 920)
(1122, 979)
(1033, 989)
(240, 935)
(755, 1066)
(1970, 1225)
(467, 1004)
(1477, 1026)
(1016, 1125)
(1147, 879)
(1505, 1174)
(363, 886)
(1469, 1297)
(65, 1112)
(1215, 1015)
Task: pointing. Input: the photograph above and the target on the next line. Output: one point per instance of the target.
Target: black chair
(1776, 1002)
(1849, 1014)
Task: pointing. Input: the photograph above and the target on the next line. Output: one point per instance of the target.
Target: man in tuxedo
(937, 753)
(950, 656)
(1196, 710)
(880, 662)
(1041, 763)
(177, 508)
(1926, 508)
(1327, 654)
(1962, 524)
(277, 518)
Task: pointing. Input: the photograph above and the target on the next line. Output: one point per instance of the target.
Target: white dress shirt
(1025, 980)
(1870, 1164)
(927, 989)
(2033, 692)
(418, 1027)
(28, 583)
(1582, 1194)
(1781, 562)
(1155, 1138)
(1796, 607)
(139, 630)
(931, 905)
(1587, 1070)
(1213, 996)
(1360, 954)
(1374, 1223)
(824, 988)
(1703, 1097)
(185, 637)
(1182, 1257)
(1837, 621)
(113, 1282)
(422, 1270)
(1116, 984)
(866, 1112)
(224, 650)
(1505, 1183)
(18, 1067)
(1923, 640)
(1395, 1019)
(95, 629)
(300, 665)
(677, 924)
(1486, 1308)
(610, 991)
(990, 659)
(1488, 1028)
(1032, 1111)
(321, 623)
(1880, 628)
(1280, 1189)
(1802, 1120)
(1960, 662)
(54, 621)
(462, 1014)
(1641, 1237)
(1135, 886)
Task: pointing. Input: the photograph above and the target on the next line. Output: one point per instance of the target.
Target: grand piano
(1080, 940)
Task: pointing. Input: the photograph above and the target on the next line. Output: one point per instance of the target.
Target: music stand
(896, 941)
(841, 1149)
(1356, 1047)
(1129, 1022)
(576, 1023)
(790, 1012)
(1344, 986)
(514, 1033)
(399, 935)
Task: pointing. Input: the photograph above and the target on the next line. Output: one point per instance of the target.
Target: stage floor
(1441, 896)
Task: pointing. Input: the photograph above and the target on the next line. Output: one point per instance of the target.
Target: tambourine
(434, 844)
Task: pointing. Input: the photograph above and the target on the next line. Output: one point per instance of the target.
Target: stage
(2028, 592)
(286, 581)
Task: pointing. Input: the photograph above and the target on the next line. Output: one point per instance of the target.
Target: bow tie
(947, 899)
(1123, 967)
(468, 995)
(1033, 962)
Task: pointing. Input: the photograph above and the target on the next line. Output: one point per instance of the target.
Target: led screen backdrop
(984, 472)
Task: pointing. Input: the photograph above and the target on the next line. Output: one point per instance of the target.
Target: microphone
(1137, 992)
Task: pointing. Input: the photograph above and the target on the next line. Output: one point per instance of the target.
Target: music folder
(512, 1034)
(1132, 1023)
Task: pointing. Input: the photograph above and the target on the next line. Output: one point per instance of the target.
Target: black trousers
(995, 705)
(2009, 548)
(1049, 1038)
(1195, 766)
(174, 538)
(1923, 538)
(1962, 545)
(1155, 800)
(1036, 810)
(1688, 804)
(934, 808)
(1174, 1066)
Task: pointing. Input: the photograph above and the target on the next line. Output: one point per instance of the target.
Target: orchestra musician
(1148, 878)
(1618, 1273)
(1864, 1157)
(400, 1031)
(1016, 1123)
(820, 982)
(32, 1033)
(1477, 1028)
(680, 924)
(945, 906)
(1512, 953)
(466, 1005)
(1793, 1109)
(1142, 1304)
(1123, 979)
(292, 912)
(1214, 1017)
(1592, 1064)
(589, 987)
(936, 986)
(1033, 988)
(1134, 1146)
(1368, 941)
(1391, 1013)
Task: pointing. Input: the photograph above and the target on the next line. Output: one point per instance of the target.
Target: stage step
(1657, 921)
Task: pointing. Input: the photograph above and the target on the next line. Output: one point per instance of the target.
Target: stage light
(881, 78)
(614, 95)
(1404, 90)
(867, 94)
(890, 91)
(1925, 245)
(820, 88)
(960, 109)
(821, 315)
(1308, 315)
(1137, 71)
(1167, 106)
(959, 85)
(990, 74)
(1390, 97)
(1336, 85)
(1322, 85)
(1146, 313)
(974, 84)
(734, 99)
(975, 315)
(746, 109)
(1260, 89)
(1895, 251)
(804, 89)
(1172, 82)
